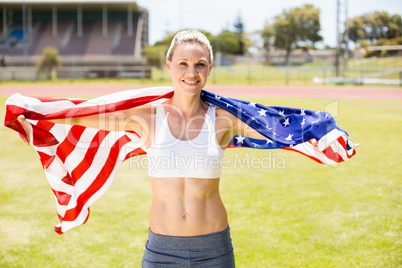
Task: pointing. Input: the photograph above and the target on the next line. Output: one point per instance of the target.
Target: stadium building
(86, 33)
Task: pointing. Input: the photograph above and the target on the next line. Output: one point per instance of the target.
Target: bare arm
(136, 119)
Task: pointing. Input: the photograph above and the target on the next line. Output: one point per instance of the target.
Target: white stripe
(329, 138)
(34, 104)
(125, 95)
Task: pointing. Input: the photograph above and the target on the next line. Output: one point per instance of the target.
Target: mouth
(190, 83)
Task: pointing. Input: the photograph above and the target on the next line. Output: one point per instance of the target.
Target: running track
(322, 92)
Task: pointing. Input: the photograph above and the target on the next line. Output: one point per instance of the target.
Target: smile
(191, 82)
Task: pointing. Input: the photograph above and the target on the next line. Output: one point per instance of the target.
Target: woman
(188, 221)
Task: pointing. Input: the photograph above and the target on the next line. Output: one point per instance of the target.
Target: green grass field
(294, 213)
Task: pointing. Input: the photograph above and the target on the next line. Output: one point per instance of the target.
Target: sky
(215, 15)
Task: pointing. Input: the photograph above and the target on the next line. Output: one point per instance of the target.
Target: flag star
(255, 145)
(282, 113)
(316, 121)
(252, 104)
(302, 112)
(227, 104)
(304, 122)
(269, 141)
(262, 112)
(240, 139)
(286, 123)
(217, 97)
(289, 138)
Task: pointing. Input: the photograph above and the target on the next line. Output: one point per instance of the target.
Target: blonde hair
(190, 36)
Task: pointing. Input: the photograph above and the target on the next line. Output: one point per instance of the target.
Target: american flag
(80, 162)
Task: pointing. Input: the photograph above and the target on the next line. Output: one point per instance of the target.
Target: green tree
(375, 26)
(239, 30)
(299, 26)
(228, 43)
(268, 39)
(49, 62)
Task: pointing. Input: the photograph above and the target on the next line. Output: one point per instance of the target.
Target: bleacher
(91, 40)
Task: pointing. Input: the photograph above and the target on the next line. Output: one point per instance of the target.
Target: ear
(210, 67)
(168, 62)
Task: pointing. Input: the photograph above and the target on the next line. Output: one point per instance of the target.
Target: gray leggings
(212, 250)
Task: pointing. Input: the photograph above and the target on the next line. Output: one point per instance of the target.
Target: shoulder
(143, 110)
(226, 118)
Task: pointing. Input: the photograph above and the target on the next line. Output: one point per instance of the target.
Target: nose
(192, 70)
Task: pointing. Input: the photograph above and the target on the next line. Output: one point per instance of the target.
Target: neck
(189, 105)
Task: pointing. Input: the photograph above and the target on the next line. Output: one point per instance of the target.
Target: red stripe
(86, 162)
(97, 109)
(42, 138)
(100, 180)
(45, 125)
(45, 159)
(62, 197)
(69, 143)
(342, 141)
(67, 180)
(135, 152)
(332, 155)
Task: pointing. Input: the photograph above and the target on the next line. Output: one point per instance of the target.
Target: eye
(201, 64)
(183, 63)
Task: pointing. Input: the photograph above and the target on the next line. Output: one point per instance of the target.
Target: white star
(289, 138)
(252, 103)
(282, 113)
(316, 121)
(286, 123)
(269, 141)
(255, 145)
(262, 112)
(217, 97)
(240, 139)
(304, 122)
(227, 104)
(302, 112)
(317, 112)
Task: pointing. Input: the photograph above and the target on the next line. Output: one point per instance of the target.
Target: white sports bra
(196, 158)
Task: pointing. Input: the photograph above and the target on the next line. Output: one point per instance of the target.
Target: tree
(375, 26)
(49, 62)
(239, 30)
(268, 40)
(298, 26)
(228, 43)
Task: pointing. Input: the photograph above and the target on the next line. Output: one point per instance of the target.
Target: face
(189, 68)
